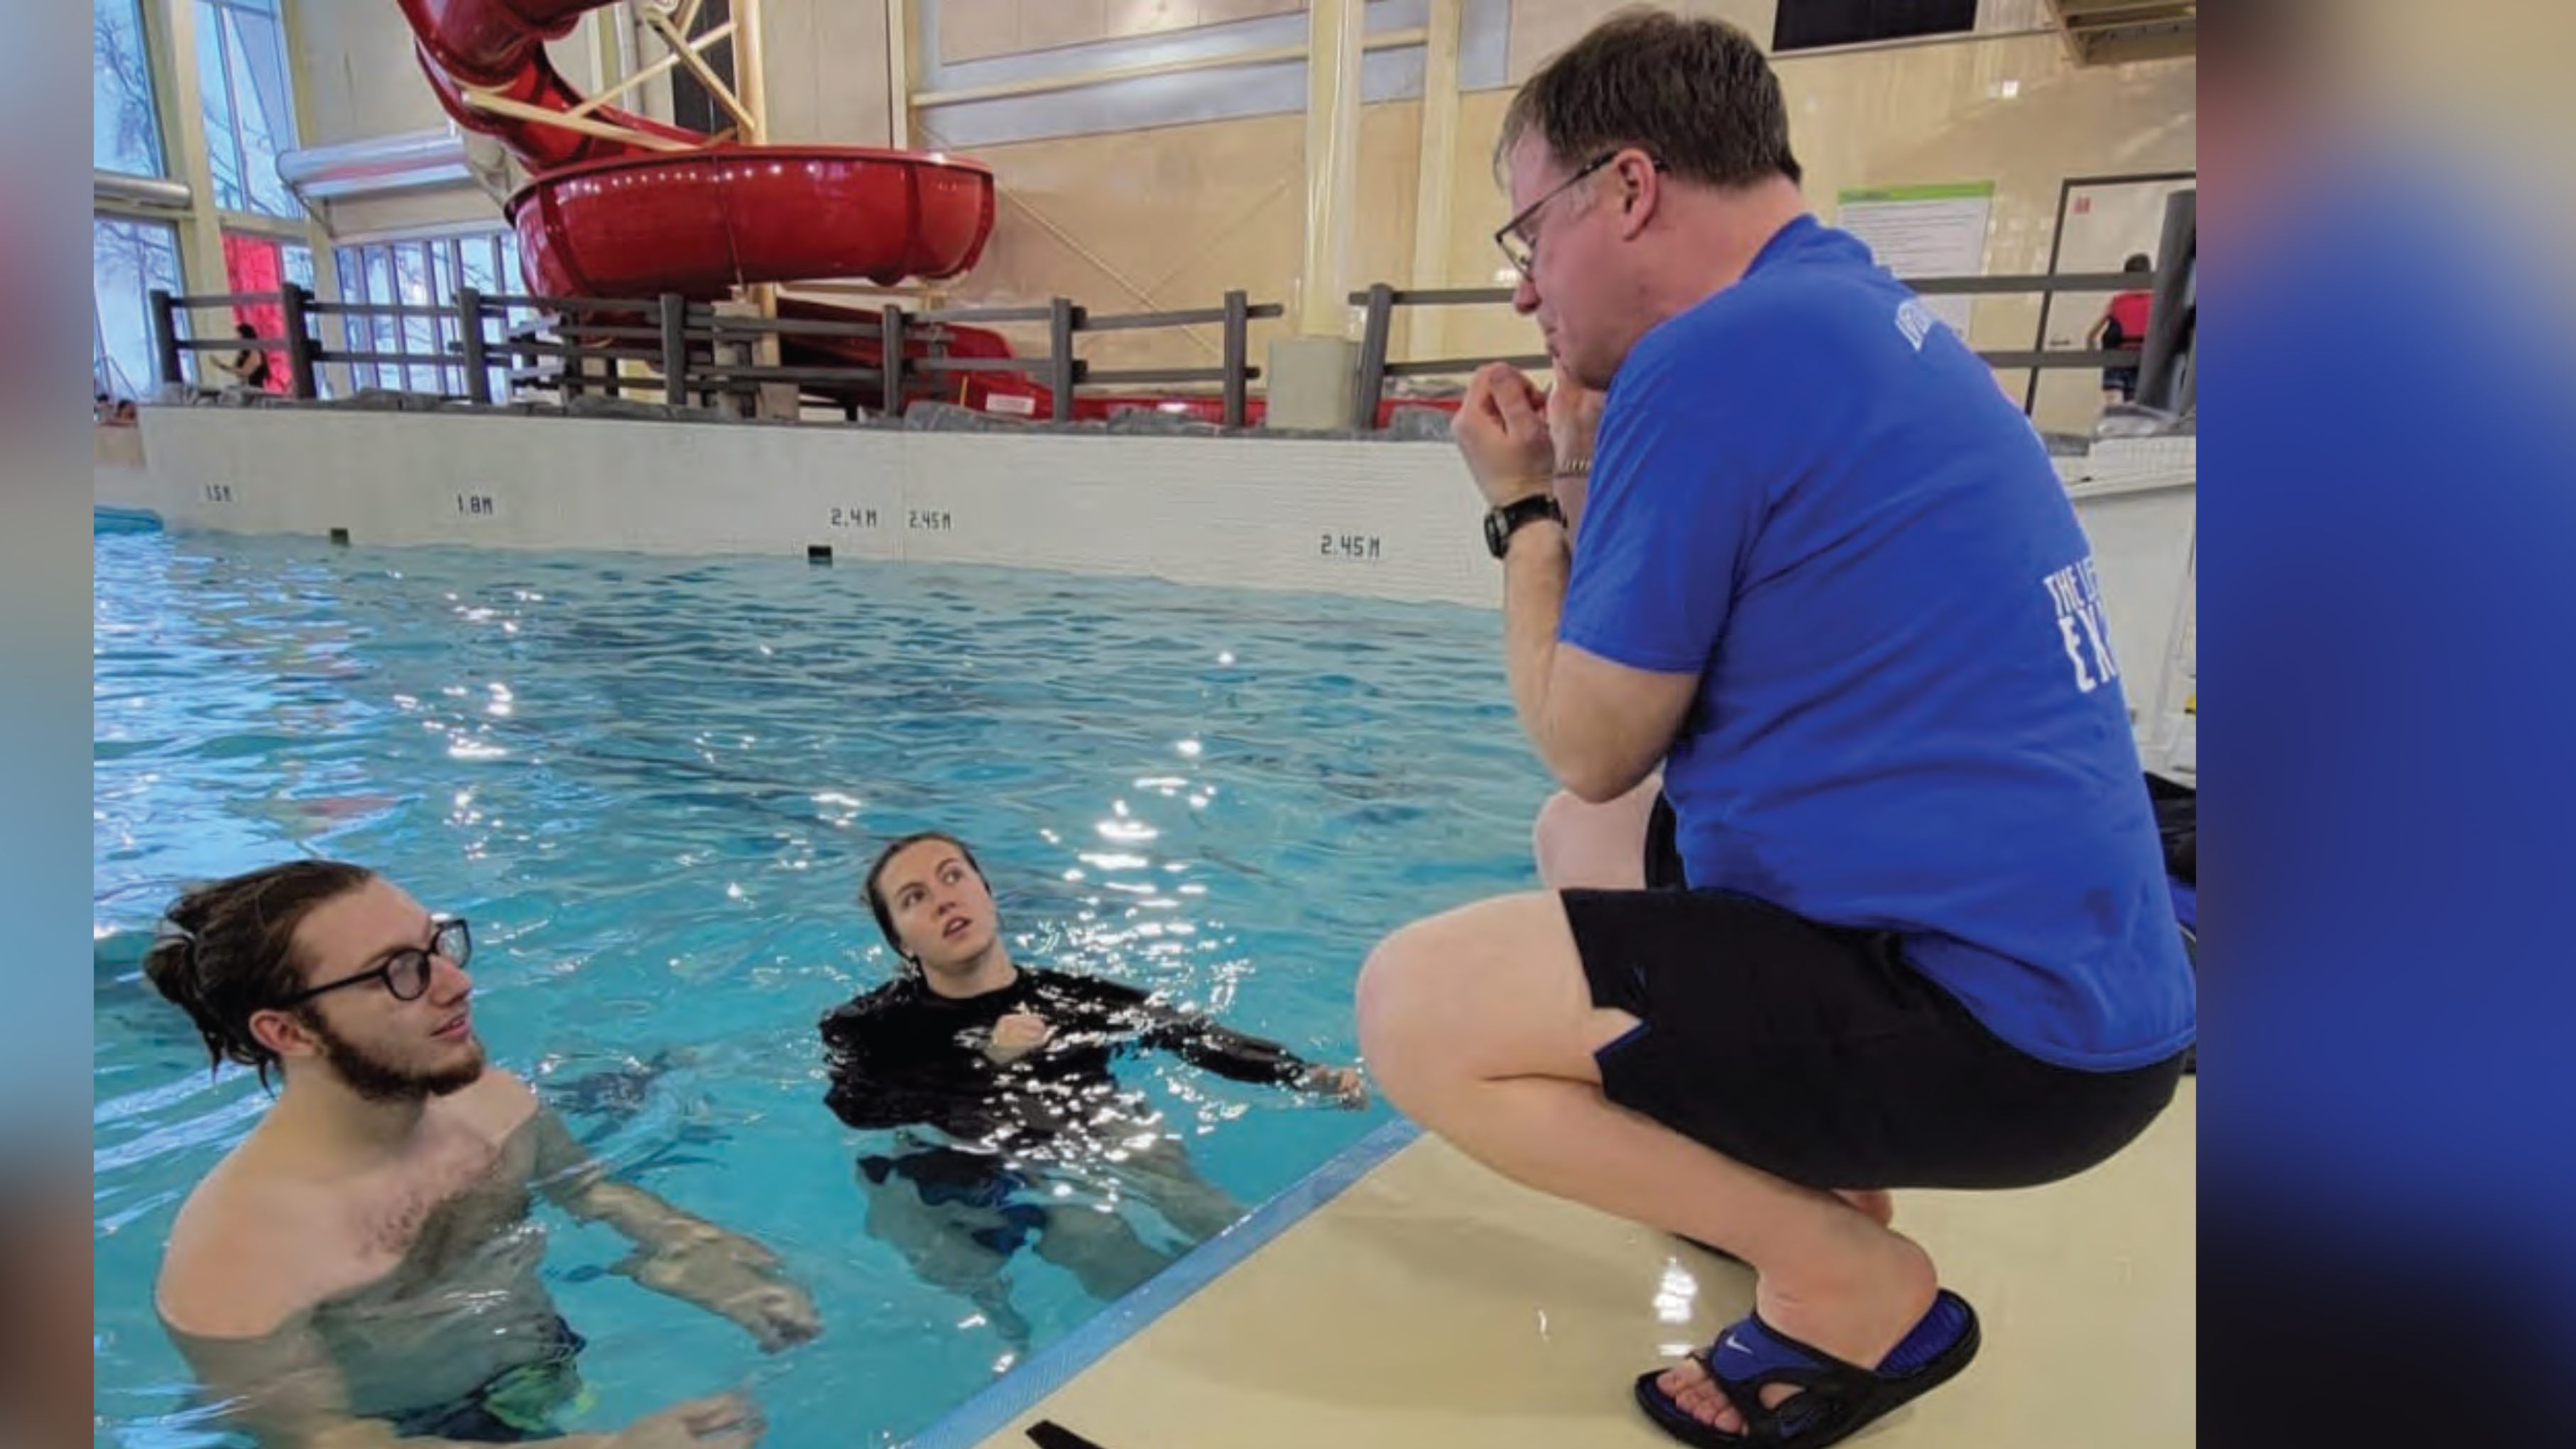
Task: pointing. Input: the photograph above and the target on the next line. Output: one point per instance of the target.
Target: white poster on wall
(1925, 231)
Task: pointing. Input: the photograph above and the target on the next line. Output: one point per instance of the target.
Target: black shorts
(518, 1405)
(1817, 1054)
(994, 1195)
(1663, 848)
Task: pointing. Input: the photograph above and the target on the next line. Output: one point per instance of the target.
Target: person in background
(995, 1080)
(362, 1269)
(2122, 327)
(249, 366)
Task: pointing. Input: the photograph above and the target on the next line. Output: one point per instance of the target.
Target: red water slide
(606, 216)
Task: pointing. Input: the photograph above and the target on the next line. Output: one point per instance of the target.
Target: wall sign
(1925, 231)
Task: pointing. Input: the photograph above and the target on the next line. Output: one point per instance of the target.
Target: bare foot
(1858, 1311)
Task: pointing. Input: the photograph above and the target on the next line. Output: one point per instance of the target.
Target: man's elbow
(1597, 782)
(587, 1193)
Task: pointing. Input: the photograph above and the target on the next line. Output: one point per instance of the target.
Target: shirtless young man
(361, 1271)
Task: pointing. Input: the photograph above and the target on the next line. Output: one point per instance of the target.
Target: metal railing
(2163, 360)
(697, 351)
(694, 351)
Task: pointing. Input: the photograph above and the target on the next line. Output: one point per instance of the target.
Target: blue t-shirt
(1812, 494)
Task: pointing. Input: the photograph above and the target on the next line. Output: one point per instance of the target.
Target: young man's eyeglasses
(405, 970)
(1518, 238)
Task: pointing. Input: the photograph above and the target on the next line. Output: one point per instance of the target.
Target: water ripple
(654, 785)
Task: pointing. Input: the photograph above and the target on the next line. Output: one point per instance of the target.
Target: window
(250, 117)
(125, 118)
(259, 265)
(1809, 24)
(425, 273)
(692, 104)
(127, 260)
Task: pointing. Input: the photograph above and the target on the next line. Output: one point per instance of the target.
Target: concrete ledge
(1324, 514)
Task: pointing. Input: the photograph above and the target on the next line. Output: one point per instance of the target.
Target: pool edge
(992, 1408)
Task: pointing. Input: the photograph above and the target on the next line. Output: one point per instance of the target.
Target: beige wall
(1171, 217)
(2009, 109)
(1175, 217)
(826, 68)
(977, 29)
(357, 78)
(1541, 28)
(358, 75)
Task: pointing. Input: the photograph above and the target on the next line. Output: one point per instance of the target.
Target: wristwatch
(1501, 523)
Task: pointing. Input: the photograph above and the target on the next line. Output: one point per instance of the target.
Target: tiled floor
(1434, 1304)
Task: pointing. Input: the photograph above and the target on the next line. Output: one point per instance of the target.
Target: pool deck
(1408, 1297)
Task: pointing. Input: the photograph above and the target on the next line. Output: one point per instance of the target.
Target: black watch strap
(1501, 523)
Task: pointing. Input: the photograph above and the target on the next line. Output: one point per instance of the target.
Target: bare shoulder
(248, 1252)
(498, 1104)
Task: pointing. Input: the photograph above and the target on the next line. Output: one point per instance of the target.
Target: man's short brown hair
(1698, 95)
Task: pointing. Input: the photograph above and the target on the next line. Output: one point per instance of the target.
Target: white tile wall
(1385, 520)
(1381, 520)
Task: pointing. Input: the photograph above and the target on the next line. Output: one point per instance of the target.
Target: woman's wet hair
(227, 951)
(876, 898)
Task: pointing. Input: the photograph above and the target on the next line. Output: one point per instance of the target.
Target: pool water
(653, 785)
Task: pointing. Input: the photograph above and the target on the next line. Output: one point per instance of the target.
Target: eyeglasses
(1519, 240)
(405, 971)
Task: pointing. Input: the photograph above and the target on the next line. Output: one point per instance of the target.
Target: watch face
(1501, 523)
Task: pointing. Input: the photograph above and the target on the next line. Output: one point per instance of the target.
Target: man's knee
(1552, 836)
(1387, 993)
(1401, 991)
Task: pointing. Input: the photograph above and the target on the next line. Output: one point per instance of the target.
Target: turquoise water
(653, 785)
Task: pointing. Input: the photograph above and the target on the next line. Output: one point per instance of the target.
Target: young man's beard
(380, 1081)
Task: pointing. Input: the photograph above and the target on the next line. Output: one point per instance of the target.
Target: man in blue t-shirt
(1912, 927)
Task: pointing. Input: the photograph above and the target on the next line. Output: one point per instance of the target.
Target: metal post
(2169, 314)
(938, 351)
(1370, 386)
(576, 363)
(890, 361)
(1238, 343)
(165, 336)
(1436, 163)
(899, 66)
(751, 70)
(2047, 300)
(1062, 371)
(675, 349)
(292, 302)
(733, 351)
(469, 335)
(1334, 33)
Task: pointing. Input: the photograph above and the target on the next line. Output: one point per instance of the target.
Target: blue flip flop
(1836, 1399)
